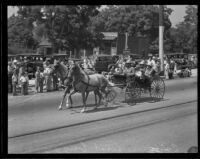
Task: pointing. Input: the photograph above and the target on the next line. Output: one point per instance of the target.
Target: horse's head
(74, 69)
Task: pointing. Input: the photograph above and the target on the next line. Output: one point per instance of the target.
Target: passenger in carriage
(149, 70)
(129, 69)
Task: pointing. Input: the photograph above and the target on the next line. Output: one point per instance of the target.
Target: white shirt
(22, 79)
(149, 62)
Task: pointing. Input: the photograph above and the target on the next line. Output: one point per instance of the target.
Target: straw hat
(15, 61)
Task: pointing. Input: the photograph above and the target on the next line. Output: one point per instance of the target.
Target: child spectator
(14, 83)
(41, 82)
(23, 83)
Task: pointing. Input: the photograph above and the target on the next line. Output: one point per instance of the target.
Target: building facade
(114, 43)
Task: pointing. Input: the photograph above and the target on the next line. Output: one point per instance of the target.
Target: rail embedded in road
(89, 131)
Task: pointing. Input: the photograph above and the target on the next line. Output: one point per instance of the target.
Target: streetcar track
(105, 131)
(109, 132)
(96, 120)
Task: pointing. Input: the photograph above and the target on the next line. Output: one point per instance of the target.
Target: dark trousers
(10, 87)
(55, 81)
(24, 88)
(41, 85)
(14, 88)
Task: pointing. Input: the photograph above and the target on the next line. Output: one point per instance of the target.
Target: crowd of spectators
(18, 77)
(44, 76)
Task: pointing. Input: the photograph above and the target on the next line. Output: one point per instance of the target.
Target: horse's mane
(80, 70)
(63, 70)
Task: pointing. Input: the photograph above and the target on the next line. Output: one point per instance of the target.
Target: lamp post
(126, 41)
(161, 31)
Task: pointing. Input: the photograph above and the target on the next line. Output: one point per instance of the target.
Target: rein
(86, 83)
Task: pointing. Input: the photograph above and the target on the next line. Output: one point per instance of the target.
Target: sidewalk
(31, 89)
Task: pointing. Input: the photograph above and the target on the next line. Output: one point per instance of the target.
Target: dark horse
(67, 84)
(83, 82)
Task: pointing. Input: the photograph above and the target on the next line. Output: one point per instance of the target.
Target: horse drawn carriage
(134, 86)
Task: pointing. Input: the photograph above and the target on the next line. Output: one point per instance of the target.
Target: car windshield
(104, 58)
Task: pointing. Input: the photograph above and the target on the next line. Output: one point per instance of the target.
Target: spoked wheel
(157, 89)
(132, 92)
(111, 95)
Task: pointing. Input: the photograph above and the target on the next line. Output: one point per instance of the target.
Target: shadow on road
(133, 102)
(77, 109)
(101, 109)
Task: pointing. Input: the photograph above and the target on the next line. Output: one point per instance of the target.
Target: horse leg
(87, 93)
(103, 90)
(65, 93)
(84, 102)
(95, 96)
(70, 98)
(100, 96)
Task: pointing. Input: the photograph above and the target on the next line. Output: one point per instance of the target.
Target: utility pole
(161, 31)
(126, 41)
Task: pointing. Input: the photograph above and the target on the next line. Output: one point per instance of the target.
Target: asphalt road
(160, 130)
(36, 113)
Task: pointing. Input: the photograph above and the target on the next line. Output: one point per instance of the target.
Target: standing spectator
(37, 79)
(48, 77)
(167, 70)
(21, 69)
(55, 81)
(41, 81)
(26, 83)
(10, 73)
(14, 83)
(171, 68)
(22, 81)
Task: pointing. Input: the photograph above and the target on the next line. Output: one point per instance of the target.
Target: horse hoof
(59, 108)
(83, 110)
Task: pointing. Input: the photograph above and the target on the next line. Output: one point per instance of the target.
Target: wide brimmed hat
(15, 61)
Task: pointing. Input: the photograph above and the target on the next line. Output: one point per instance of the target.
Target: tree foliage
(137, 20)
(64, 25)
(19, 33)
(184, 35)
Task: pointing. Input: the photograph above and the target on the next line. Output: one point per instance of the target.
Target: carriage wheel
(132, 92)
(157, 89)
(111, 95)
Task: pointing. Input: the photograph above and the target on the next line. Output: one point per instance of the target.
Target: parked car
(32, 67)
(103, 61)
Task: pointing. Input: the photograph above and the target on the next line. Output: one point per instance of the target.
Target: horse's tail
(111, 86)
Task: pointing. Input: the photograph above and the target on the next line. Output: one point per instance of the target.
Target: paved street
(39, 112)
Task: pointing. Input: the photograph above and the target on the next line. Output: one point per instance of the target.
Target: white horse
(83, 82)
(67, 84)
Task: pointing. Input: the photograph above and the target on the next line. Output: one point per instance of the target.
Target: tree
(184, 36)
(137, 20)
(18, 33)
(65, 26)
(191, 20)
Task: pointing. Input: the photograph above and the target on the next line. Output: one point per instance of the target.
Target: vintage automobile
(103, 61)
(32, 67)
